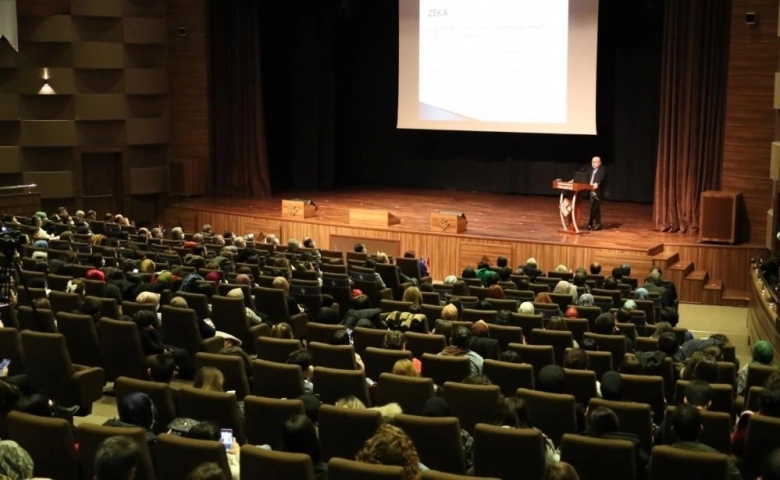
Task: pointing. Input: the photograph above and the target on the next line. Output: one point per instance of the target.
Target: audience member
(686, 427)
(512, 413)
(603, 423)
(211, 431)
(560, 471)
(16, 463)
(136, 410)
(763, 354)
(116, 459)
(391, 446)
(459, 345)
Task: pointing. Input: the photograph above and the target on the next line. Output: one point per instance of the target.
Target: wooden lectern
(372, 218)
(298, 208)
(567, 205)
(448, 222)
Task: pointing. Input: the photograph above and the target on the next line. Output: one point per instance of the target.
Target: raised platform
(517, 227)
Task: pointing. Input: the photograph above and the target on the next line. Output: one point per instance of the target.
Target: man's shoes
(590, 226)
(596, 227)
(64, 412)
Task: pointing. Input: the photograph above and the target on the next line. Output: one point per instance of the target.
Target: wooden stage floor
(509, 217)
(513, 225)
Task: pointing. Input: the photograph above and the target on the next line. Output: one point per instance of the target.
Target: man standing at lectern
(596, 173)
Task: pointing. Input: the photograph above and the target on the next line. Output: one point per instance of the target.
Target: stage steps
(665, 259)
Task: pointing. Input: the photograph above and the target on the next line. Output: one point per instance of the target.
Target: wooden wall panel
(189, 95)
(750, 117)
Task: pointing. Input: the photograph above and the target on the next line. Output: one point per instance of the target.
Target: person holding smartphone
(211, 431)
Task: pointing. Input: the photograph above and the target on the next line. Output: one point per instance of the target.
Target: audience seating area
(75, 360)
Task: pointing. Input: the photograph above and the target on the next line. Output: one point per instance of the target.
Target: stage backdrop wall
(330, 87)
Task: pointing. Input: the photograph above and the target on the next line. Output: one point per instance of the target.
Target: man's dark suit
(596, 195)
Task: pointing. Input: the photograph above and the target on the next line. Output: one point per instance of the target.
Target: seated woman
(137, 410)
(391, 446)
(414, 295)
(394, 340)
(512, 413)
(153, 343)
(560, 325)
(763, 354)
(341, 337)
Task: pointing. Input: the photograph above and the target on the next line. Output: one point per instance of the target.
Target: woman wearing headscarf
(642, 294)
(526, 308)
(585, 300)
(566, 288)
(136, 410)
(15, 462)
(763, 354)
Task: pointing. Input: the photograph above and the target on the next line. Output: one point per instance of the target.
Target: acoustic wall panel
(146, 181)
(101, 133)
(51, 184)
(97, 8)
(47, 107)
(146, 81)
(9, 107)
(99, 81)
(145, 8)
(98, 55)
(10, 160)
(53, 29)
(145, 31)
(97, 29)
(100, 107)
(147, 131)
(61, 80)
(48, 55)
(48, 133)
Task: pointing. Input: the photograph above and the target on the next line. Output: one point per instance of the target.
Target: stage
(515, 226)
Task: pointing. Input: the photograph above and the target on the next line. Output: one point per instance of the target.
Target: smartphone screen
(4, 363)
(135, 270)
(226, 438)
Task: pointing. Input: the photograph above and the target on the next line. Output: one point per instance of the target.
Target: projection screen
(498, 65)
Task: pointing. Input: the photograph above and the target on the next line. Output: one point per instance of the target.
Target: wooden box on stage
(448, 222)
(372, 218)
(297, 208)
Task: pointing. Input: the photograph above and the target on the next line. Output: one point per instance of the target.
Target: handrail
(19, 187)
(768, 288)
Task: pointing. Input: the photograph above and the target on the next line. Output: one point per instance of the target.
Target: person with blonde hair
(210, 379)
(251, 316)
(449, 312)
(282, 284)
(406, 368)
(388, 411)
(391, 446)
(414, 295)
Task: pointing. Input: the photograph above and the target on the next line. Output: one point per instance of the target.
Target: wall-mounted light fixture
(46, 88)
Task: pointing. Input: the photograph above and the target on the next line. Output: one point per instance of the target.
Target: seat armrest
(88, 383)
(428, 279)
(298, 323)
(212, 345)
(386, 294)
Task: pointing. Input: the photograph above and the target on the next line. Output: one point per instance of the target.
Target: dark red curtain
(240, 158)
(693, 105)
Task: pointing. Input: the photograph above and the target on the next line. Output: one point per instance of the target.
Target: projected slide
(494, 60)
(498, 65)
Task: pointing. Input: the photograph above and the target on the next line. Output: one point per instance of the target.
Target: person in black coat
(602, 422)
(596, 176)
(152, 342)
